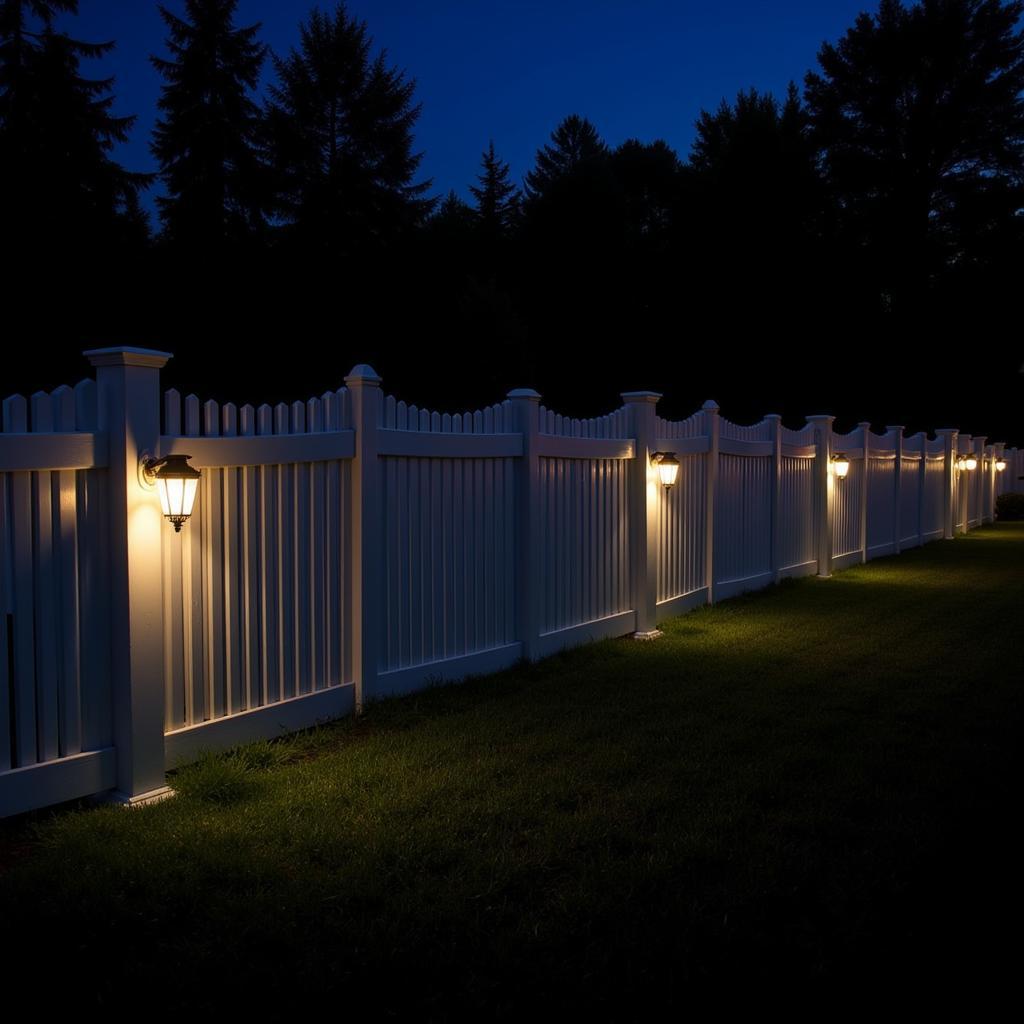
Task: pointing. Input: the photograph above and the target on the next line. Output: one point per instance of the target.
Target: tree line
(885, 194)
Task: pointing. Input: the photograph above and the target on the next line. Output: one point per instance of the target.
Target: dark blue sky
(513, 70)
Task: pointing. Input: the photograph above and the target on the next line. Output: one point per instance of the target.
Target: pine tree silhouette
(60, 191)
(340, 139)
(919, 112)
(207, 137)
(497, 198)
(575, 145)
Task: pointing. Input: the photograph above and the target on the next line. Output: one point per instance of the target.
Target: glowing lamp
(668, 467)
(1000, 465)
(176, 483)
(841, 465)
(970, 463)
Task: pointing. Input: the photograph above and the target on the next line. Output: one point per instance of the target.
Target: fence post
(776, 421)
(367, 562)
(897, 446)
(128, 408)
(526, 403)
(948, 435)
(823, 491)
(865, 430)
(643, 514)
(713, 427)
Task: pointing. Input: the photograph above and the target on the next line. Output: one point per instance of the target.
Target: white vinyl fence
(352, 546)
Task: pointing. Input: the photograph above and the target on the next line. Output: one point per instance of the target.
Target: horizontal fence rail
(353, 546)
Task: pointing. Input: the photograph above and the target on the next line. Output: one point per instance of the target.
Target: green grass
(814, 786)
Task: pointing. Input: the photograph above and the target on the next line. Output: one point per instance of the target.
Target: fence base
(154, 796)
(650, 634)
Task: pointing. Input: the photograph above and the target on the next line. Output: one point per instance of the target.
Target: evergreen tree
(59, 189)
(920, 115)
(207, 139)
(755, 169)
(752, 209)
(497, 199)
(340, 126)
(452, 224)
(575, 147)
(572, 208)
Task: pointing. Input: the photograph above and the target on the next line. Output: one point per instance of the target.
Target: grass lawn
(817, 785)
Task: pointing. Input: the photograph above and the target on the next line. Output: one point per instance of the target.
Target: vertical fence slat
(65, 504)
(315, 583)
(16, 419)
(250, 571)
(6, 682)
(46, 580)
(269, 476)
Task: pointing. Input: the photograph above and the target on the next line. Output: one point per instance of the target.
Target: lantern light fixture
(1000, 465)
(971, 463)
(668, 467)
(840, 464)
(176, 483)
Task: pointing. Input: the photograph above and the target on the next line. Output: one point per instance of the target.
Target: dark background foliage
(852, 247)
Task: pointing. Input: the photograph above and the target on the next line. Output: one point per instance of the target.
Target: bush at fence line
(1010, 506)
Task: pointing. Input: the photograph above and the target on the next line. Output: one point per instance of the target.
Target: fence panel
(257, 607)
(796, 512)
(881, 505)
(846, 510)
(585, 540)
(910, 501)
(55, 709)
(682, 527)
(743, 528)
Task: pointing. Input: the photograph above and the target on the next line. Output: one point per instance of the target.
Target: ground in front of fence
(813, 785)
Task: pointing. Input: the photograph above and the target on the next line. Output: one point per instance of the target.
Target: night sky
(512, 70)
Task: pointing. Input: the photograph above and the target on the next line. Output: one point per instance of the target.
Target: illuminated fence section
(55, 700)
(682, 530)
(796, 524)
(585, 538)
(935, 495)
(449, 546)
(256, 610)
(743, 533)
(881, 505)
(848, 500)
(583, 527)
(351, 546)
